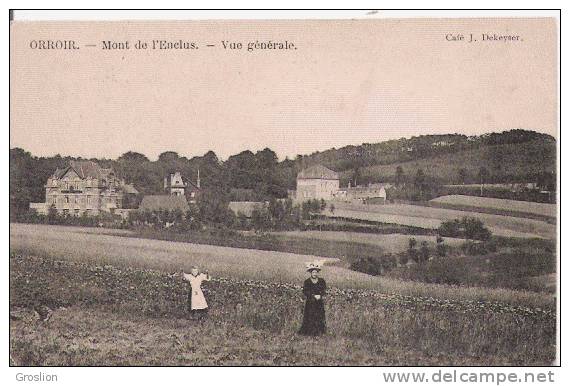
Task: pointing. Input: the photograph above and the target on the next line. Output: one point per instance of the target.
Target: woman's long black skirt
(313, 318)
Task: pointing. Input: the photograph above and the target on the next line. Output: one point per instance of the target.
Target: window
(67, 199)
(77, 212)
(88, 200)
(77, 199)
(54, 199)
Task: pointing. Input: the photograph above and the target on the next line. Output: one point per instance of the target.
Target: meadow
(428, 217)
(75, 244)
(390, 243)
(500, 204)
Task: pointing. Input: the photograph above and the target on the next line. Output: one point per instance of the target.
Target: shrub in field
(515, 268)
(451, 228)
(403, 258)
(361, 226)
(424, 252)
(474, 229)
(474, 248)
(367, 265)
(470, 228)
(389, 262)
(375, 266)
(412, 251)
(440, 247)
(436, 271)
(523, 262)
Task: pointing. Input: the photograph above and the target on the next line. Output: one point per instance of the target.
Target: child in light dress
(197, 305)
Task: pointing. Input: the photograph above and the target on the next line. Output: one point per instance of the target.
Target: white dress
(198, 299)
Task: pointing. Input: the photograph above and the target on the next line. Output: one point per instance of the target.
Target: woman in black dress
(314, 289)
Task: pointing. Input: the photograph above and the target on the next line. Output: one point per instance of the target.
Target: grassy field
(501, 204)
(119, 315)
(65, 243)
(392, 243)
(427, 217)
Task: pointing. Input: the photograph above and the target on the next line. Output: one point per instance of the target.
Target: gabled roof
(190, 186)
(84, 169)
(129, 189)
(186, 183)
(318, 172)
(164, 202)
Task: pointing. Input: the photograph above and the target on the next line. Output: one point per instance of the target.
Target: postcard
(373, 191)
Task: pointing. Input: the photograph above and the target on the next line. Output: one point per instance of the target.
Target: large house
(83, 187)
(317, 182)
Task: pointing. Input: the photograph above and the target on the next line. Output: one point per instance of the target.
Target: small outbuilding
(164, 202)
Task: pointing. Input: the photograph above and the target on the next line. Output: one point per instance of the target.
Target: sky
(347, 82)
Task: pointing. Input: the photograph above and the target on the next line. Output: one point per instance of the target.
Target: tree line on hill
(260, 176)
(415, 148)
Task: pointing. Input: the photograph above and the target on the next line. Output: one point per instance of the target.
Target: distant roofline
(333, 175)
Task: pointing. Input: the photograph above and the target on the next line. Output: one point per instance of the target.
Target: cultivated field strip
(498, 203)
(426, 217)
(389, 243)
(120, 310)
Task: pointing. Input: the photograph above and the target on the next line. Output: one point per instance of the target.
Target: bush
(374, 266)
(473, 248)
(424, 252)
(478, 248)
(440, 248)
(435, 271)
(367, 265)
(412, 251)
(468, 228)
(403, 258)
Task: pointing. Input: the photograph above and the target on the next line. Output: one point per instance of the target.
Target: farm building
(164, 202)
(371, 192)
(83, 187)
(317, 182)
